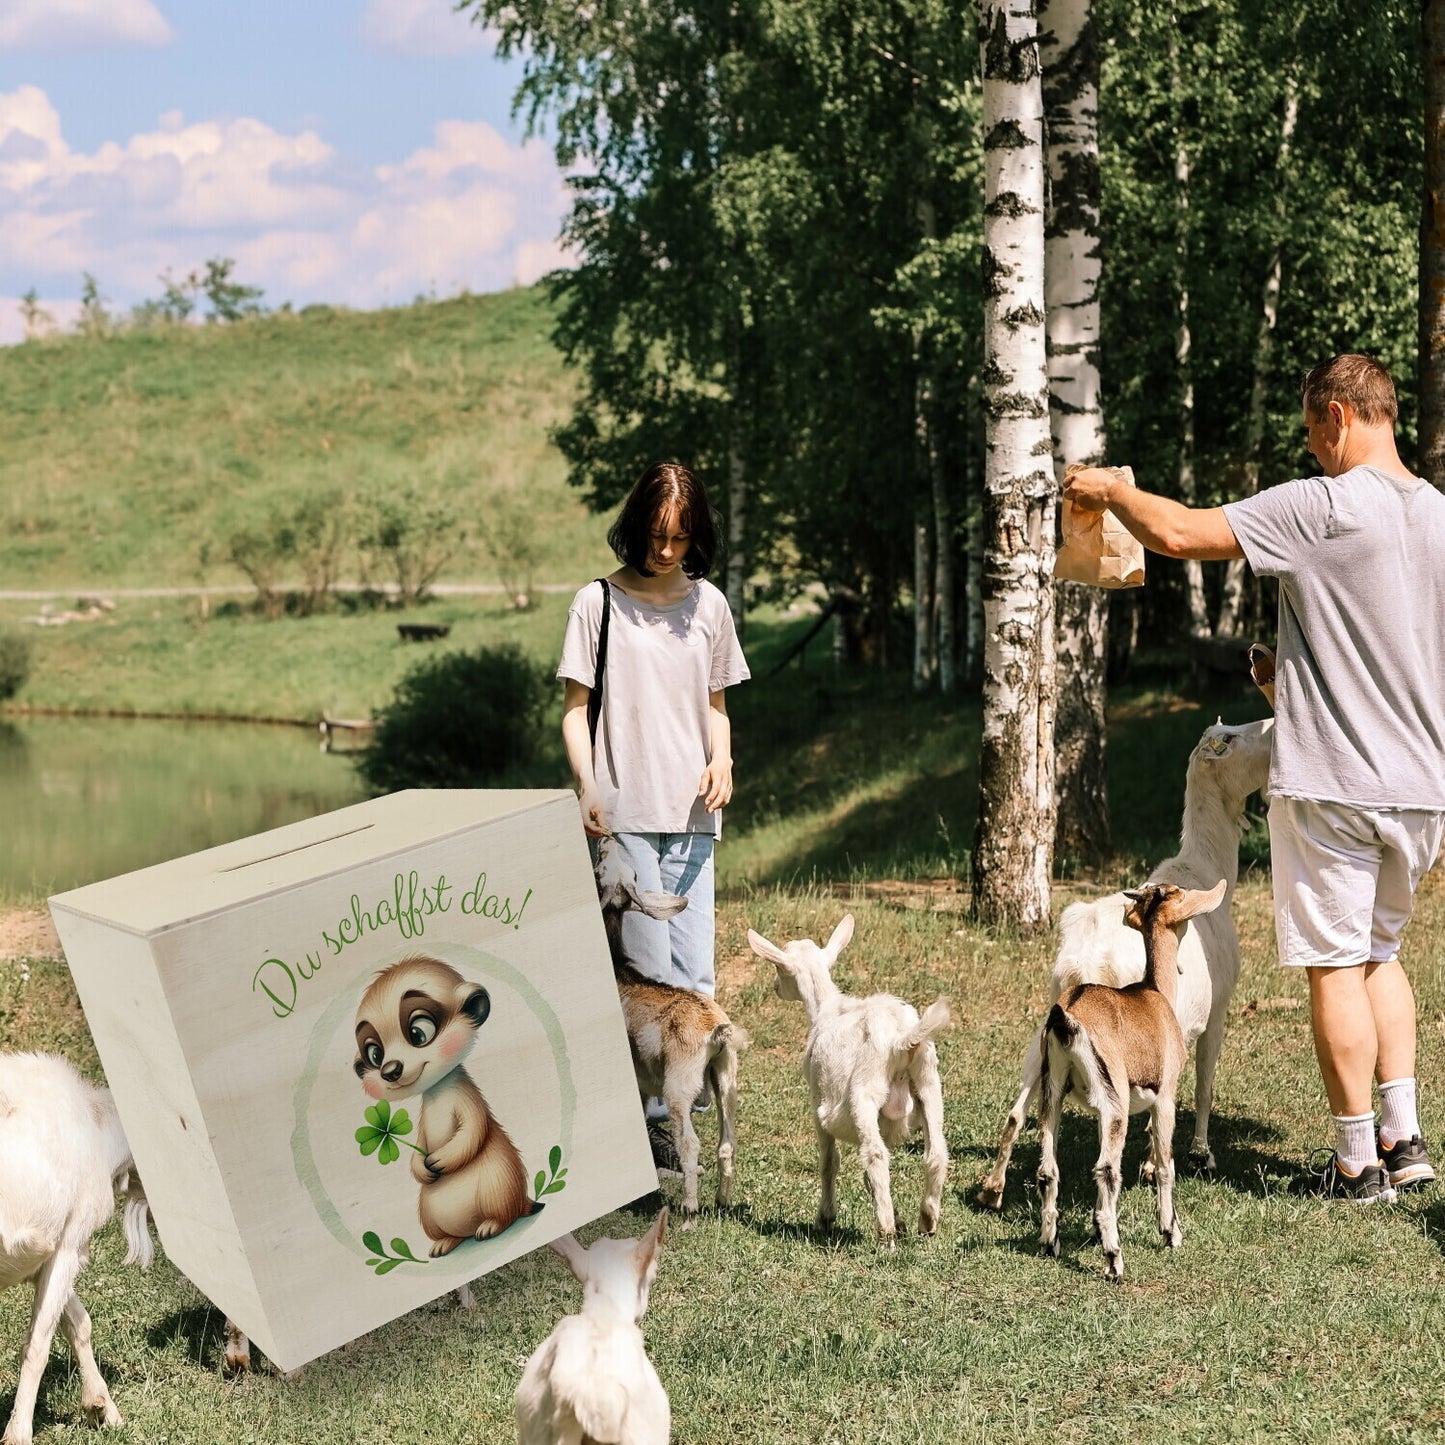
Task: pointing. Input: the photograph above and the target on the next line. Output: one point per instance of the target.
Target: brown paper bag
(1096, 547)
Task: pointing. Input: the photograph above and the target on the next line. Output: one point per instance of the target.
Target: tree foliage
(777, 211)
(458, 720)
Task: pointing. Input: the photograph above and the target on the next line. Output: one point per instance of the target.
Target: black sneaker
(1370, 1186)
(1407, 1163)
(664, 1151)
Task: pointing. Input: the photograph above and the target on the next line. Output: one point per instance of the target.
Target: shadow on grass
(1240, 1165)
(199, 1330)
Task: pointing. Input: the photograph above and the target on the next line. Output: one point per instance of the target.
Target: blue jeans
(676, 950)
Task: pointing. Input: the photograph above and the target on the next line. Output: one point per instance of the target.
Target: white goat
(872, 1071)
(63, 1156)
(682, 1041)
(1226, 766)
(1120, 1051)
(590, 1380)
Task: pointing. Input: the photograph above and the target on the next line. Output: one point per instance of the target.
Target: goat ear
(764, 949)
(657, 905)
(840, 937)
(574, 1254)
(648, 1246)
(1211, 900)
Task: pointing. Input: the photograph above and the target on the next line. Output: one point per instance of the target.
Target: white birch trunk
(1013, 846)
(1184, 367)
(1072, 265)
(1233, 593)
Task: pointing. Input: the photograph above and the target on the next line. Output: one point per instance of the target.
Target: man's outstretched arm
(1161, 524)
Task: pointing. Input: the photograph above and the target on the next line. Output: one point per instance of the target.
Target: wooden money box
(366, 1057)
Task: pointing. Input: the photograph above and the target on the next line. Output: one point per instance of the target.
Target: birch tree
(1070, 60)
(1013, 845)
(1432, 249)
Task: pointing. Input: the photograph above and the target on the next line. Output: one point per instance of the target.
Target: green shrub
(460, 720)
(14, 663)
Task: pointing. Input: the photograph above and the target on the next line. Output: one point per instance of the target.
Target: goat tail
(135, 1222)
(734, 1035)
(936, 1017)
(1061, 1025)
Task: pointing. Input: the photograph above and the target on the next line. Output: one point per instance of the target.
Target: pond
(87, 798)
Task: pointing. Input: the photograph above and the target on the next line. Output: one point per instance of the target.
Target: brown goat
(682, 1042)
(1119, 1051)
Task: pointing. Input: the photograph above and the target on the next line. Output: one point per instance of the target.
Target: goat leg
(93, 1394)
(1113, 1127)
(935, 1147)
(1051, 1108)
(723, 1077)
(827, 1176)
(876, 1175)
(679, 1114)
(1163, 1115)
(1206, 1059)
(990, 1193)
(52, 1290)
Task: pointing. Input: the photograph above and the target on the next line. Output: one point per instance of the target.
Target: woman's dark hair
(658, 488)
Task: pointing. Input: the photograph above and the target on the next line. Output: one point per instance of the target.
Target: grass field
(1280, 1319)
(125, 457)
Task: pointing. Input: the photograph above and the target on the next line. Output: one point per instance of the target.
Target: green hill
(124, 457)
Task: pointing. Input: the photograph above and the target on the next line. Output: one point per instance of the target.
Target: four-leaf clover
(380, 1133)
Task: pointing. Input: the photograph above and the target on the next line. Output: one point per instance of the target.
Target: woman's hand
(716, 787)
(594, 820)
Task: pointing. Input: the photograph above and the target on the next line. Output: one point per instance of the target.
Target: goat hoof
(1114, 1270)
(990, 1196)
(1146, 1172)
(1173, 1236)
(1049, 1249)
(103, 1411)
(887, 1243)
(1201, 1161)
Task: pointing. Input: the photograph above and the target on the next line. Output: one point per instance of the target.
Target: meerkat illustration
(415, 1024)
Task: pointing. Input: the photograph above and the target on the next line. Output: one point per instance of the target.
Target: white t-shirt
(1360, 660)
(654, 736)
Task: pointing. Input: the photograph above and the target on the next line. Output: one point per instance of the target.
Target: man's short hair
(1358, 380)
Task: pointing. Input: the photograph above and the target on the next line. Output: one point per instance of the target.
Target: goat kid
(1226, 766)
(682, 1042)
(63, 1157)
(872, 1071)
(1120, 1051)
(590, 1379)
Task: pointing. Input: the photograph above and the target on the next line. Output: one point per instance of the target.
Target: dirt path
(28, 933)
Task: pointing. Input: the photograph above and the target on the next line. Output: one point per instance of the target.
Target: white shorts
(1345, 878)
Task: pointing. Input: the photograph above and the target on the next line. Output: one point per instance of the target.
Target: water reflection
(87, 798)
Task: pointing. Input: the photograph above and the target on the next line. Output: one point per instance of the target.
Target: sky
(357, 152)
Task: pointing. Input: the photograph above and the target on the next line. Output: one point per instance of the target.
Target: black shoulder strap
(594, 700)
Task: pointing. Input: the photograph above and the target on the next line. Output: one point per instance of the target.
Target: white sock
(656, 1110)
(1355, 1141)
(1398, 1119)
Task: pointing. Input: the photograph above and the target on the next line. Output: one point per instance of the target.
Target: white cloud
(63, 25)
(470, 211)
(422, 28)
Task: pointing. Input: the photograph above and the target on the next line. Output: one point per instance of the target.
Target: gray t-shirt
(1360, 659)
(654, 736)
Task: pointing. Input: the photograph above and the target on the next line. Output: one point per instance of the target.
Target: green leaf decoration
(381, 1261)
(389, 1151)
(379, 1113)
(542, 1184)
(401, 1122)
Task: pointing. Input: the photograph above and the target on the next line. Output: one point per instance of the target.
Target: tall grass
(124, 458)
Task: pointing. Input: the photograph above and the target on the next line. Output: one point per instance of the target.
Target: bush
(460, 720)
(14, 663)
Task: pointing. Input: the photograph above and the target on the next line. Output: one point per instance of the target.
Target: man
(1357, 782)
